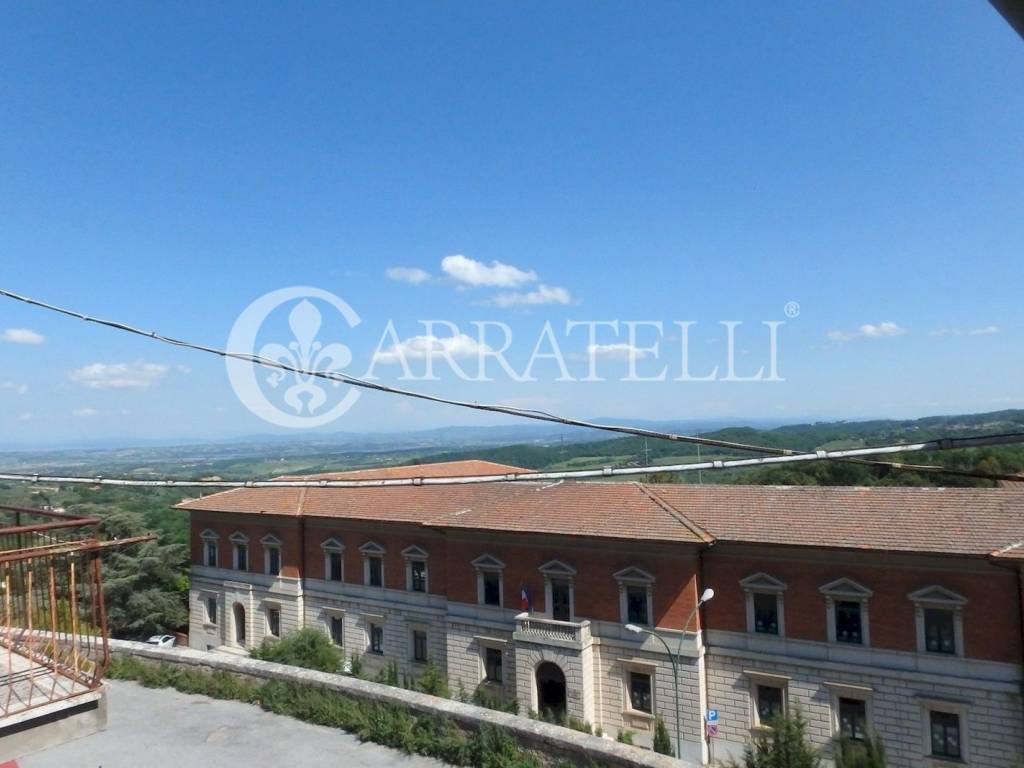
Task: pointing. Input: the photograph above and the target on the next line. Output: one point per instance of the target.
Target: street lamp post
(674, 659)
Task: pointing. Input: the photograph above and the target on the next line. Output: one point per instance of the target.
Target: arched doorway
(239, 620)
(550, 691)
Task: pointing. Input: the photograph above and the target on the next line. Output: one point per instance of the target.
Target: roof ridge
(699, 531)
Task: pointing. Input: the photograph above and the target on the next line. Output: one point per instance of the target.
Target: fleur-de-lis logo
(308, 354)
(305, 397)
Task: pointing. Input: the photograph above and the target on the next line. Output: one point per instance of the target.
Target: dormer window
(489, 581)
(846, 609)
(333, 562)
(636, 596)
(373, 564)
(271, 555)
(938, 615)
(210, 544)
(415, 569)
(240, 551)
(765, 606)
(559, 590)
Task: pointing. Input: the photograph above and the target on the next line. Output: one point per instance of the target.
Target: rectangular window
(561, 600)
(211, 554)
(636, 605)
(939, 636)
(274, 561)
(376, 638)
(242, 557)
(769, 703)
(334, 566)
(418, 574)
(848, 622)
(492, 665)
(274, 621)
(640, 692)
(376, 572)
(492, 588)
(945, 729)
(337, 630)
(419, 645)
(853, 719)
(766, 614)
(211, 610)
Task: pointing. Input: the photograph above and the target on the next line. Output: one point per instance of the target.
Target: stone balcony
(537, 629)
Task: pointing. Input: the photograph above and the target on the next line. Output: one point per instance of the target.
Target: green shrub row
(381, 723)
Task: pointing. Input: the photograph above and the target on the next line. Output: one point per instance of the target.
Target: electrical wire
(929, 445)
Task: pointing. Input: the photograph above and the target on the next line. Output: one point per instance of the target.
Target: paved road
(166, 729)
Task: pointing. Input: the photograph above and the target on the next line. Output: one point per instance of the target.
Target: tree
(662, 741)
(145, 586)
(860, 754)
(784, 746)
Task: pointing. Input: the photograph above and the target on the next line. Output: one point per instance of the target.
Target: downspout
(302, 561)
(706, 754)
(1020, 601)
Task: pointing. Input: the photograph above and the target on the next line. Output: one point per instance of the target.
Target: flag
(525, 604)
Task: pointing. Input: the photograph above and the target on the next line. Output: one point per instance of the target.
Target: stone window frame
(267, 607)
(845, 590)
(328, 614)
(416, 554)
(495, 644)
(635, 577)
(958, 707)
(761, 583)
(270, 542)
(238, 539)
(372, 620)
(330, 547)
(839, 690)
(370, 550)
(209, 620)
(415, 627)
(556, 569)
(758, 678)
(629, 666)
(210, 538)
(489, 563)
(939, 598)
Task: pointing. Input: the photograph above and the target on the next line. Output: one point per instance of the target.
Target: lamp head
(634, 629)
(707, 595)
(522, 616)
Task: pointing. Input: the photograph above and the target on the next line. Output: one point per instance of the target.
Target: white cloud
(183, 369)
(617, 351)
(85, 413)
(413, 275)
(987, 330)
(421, 347)
(869, 331)
(137, 375)
(544, 294)
(473, 272)
(25, 417)
(22, 336)
(13, 386)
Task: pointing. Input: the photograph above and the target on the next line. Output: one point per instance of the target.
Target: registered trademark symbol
(792, 309)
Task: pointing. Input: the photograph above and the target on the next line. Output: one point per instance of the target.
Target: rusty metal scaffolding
(53, 623)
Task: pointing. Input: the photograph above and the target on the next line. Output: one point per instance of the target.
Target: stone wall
(552, 741)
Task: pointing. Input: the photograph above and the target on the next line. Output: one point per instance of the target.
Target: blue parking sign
(712, 715)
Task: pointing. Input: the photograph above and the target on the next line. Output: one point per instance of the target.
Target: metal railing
(53, 624)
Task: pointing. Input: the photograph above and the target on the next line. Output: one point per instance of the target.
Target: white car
(162, 641)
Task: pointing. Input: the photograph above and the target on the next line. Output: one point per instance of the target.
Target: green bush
(482, 699)
(433, 682)
(309, 648)
(625, 736)
(662, 741)
(784, 746)
(860, 754)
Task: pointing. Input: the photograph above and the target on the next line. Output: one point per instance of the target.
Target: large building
(896, 611)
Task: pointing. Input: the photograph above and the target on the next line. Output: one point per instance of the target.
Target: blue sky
(669, 161)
